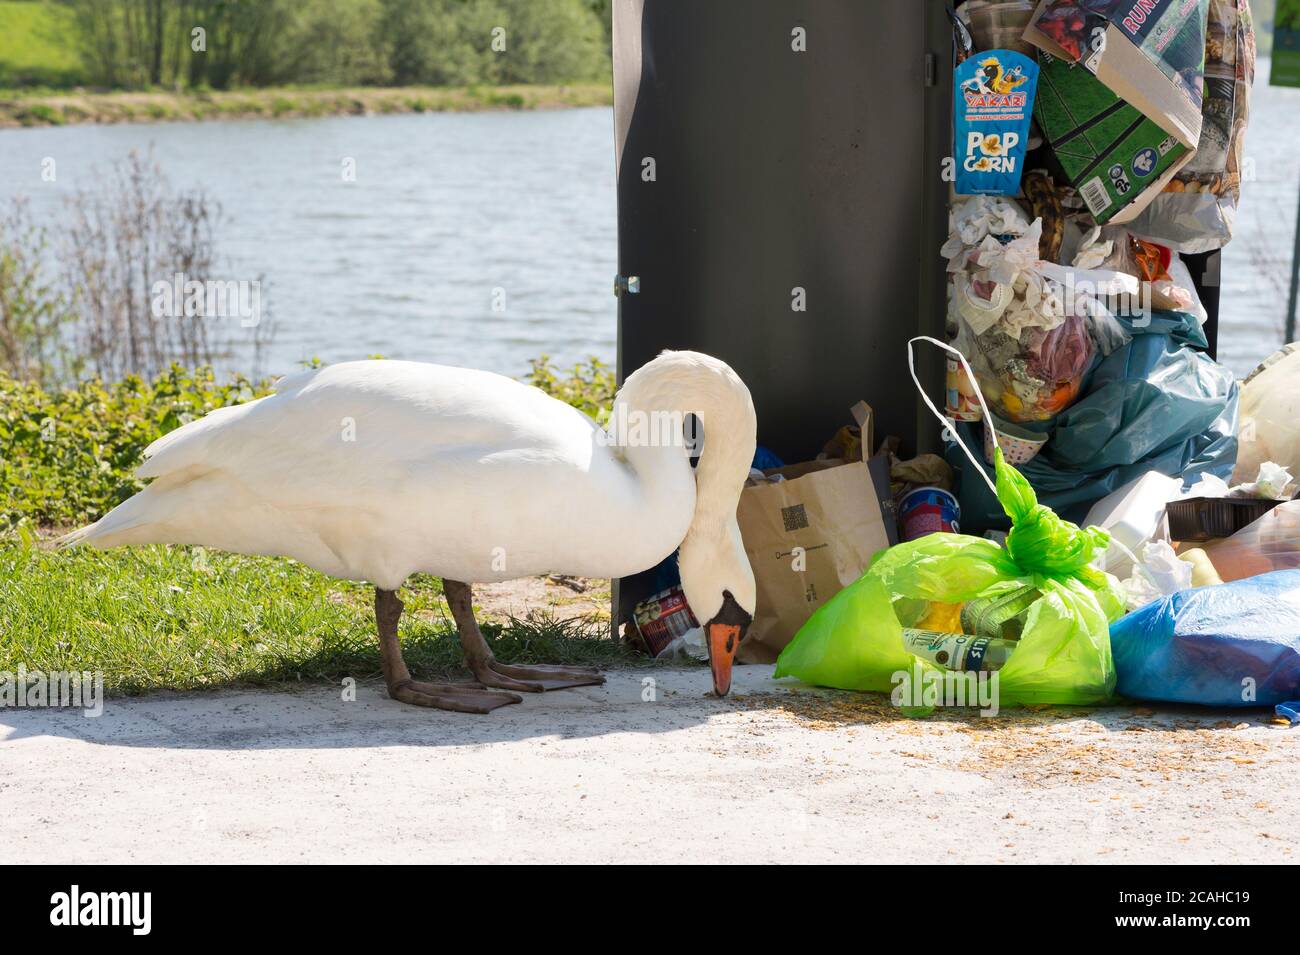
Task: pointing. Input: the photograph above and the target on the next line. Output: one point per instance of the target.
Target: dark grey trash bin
(781, 204)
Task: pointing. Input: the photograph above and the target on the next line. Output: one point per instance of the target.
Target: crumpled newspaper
(1044, 294)
(1037, 302)
(1006, 263)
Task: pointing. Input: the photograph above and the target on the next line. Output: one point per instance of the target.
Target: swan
(376, 470)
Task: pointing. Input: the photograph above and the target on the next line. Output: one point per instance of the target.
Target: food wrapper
(1166, 282)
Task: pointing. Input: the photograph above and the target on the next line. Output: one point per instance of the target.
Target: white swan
(375, 470)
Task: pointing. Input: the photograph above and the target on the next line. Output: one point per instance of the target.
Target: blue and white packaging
(993, 106)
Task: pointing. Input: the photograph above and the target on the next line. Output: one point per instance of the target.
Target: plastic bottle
(1001, 617)
(958, 651)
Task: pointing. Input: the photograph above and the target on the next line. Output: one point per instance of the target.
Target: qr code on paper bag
(794, 517)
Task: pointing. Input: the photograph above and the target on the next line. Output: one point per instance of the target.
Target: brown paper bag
(809, 536)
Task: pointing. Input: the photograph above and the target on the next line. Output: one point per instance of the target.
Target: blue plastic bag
(1157, 403)
(1234, 644)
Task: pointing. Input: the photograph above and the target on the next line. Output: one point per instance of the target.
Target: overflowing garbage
(1114, 515)
(1067, 290)
(1032, 609)
(1156, 403)
(1060, 614)
(1094, 144)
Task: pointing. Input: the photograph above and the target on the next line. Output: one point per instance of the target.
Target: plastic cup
(1019, 445)
(999, 24)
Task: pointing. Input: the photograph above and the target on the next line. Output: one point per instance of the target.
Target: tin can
(962, 405)
(927, 510)
(661, 619)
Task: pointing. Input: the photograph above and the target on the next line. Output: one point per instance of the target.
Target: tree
(136, 43)
(332, 41)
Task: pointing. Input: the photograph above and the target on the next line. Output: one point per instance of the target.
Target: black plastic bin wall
(773, 151)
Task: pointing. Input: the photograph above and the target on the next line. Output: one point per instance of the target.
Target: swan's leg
(478, 655)
(461, 697)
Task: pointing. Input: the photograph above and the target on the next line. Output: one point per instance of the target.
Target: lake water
(481, 239)
(487, 239)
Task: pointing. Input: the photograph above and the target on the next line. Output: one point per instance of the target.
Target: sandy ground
(561, 597)
(607, 774)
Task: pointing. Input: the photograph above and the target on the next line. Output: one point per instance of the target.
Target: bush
(32, 308)
(589, 387)
(130, 45)
(67, 457)
(103, 300)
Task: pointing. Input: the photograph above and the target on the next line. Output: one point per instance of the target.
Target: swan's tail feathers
(131, 522)
(73, 538)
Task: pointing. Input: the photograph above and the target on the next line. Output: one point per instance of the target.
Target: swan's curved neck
(647, 420)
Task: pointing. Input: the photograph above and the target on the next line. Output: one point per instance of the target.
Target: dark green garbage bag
(855, 640)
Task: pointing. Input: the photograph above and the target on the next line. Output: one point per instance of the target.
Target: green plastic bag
(855, 640)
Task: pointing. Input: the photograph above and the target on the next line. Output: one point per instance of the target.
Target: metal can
(927, 510)
(661, 619)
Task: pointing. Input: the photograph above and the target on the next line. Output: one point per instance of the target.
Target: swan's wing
(190, 444)
(362, 428)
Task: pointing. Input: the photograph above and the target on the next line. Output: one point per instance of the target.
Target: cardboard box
(1149, 55)
(1117, 157)
(1149, 52)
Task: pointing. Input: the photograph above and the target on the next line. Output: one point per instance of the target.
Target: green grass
(185, 618)
(34, 46)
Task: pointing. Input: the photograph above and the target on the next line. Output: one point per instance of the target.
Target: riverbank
(58, 108)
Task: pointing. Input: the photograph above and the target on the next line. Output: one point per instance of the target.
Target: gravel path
(603, 775)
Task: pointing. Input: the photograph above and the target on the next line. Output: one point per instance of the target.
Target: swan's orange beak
(723, 639)
(723, 635)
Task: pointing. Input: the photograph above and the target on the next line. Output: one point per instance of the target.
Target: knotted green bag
(855, 640)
